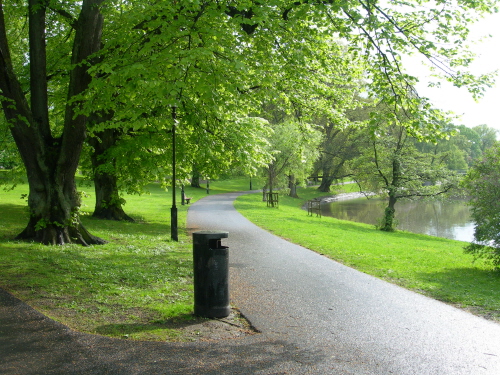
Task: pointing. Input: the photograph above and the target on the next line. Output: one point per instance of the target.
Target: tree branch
(38, 67)
(378, 166)
(12, 97)
(68, 16)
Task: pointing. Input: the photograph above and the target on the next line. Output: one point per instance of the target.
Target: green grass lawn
(433, 266)
(139, 285)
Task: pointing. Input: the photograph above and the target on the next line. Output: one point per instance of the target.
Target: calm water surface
(448, 219)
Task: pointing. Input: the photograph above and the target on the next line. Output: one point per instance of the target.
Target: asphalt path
(334, 319)
(314, 315)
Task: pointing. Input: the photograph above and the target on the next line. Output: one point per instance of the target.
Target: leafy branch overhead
(69, 70)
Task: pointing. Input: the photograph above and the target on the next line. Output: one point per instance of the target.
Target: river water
(449, 219)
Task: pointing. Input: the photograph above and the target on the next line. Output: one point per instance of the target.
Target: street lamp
(173, 211)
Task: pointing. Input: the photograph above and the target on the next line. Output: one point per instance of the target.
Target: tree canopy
(128, 64)
(294, 148)
(394, 167)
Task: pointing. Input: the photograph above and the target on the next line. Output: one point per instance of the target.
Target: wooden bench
(188, 199)
(314, 205)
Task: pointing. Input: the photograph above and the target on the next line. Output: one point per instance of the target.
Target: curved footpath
(315, 317)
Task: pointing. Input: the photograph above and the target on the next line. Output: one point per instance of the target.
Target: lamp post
(173, 210)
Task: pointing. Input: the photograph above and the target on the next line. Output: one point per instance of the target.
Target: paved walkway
(338, 320)
(316, 317)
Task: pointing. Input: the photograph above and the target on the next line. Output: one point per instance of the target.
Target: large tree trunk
(108, 204)
(195, 177)
(50, 162)
(326, 183)
(53, 206)
(330, 175)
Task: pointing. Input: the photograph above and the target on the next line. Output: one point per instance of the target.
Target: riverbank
(336, 198)
(449, 218)
(432, 266)
(344, 197)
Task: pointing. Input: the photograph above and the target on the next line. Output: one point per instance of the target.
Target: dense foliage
(74, 69)
(294, 147)
(483, 186)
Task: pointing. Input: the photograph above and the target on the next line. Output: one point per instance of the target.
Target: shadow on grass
(471, 288)
(138, 265)
(329, 222)
(105, 283)
(17, 210)
(137, 228)
(14, 218)
(178, 322)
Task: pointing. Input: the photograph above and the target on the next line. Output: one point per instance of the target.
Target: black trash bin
(211, 274)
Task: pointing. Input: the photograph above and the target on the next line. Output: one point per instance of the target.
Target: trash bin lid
(211, 234)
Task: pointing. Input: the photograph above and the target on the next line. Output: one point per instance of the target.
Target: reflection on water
(448, 219)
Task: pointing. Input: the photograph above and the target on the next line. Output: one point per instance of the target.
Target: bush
(482, 183)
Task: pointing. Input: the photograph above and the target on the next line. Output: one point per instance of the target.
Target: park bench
(188, 199)
(314, 206)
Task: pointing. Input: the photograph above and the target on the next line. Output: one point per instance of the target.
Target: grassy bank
(139, 285)
(432, 266)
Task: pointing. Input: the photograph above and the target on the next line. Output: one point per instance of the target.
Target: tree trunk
(108, 204)
(330, 175)
(326, 183)
(54, 205)
(195, 179)
(292, 186)
(50, 162)
(388, 223)
(271, 186)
